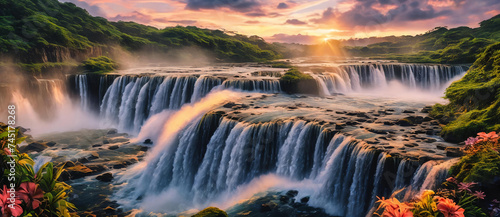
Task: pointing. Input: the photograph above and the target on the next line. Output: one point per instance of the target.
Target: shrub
(101, 64)
(211, 212)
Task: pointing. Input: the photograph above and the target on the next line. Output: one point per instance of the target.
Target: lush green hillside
(50, 31)
(440, 45)
(474, 100)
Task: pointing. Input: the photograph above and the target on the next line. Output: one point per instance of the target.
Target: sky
(300, 21)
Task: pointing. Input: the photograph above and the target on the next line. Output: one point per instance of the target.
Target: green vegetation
(101, 64)
(440, 45)
(211, 212)
(479, 167)
(293, 75)
(294, 81)
(32, 29)
(474, 100)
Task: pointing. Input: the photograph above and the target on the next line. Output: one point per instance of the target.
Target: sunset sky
(301, 21)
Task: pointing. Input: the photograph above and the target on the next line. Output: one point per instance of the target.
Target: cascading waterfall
(214, 156)
(349, 78)
(130, 100)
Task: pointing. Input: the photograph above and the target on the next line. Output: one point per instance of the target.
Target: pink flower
(479, 194)
(7, 151)
(9, 208)
(449, 208)
(452, 180)
(492, 136)
(30, 193)
(471, 141)
(466, 186)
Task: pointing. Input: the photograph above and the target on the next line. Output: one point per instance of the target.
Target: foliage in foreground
(474, 100)
(38, 193)
(101, 64)
(463, 194)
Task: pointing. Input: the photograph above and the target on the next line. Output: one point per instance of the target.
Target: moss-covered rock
(100, 64)
(480, 167)
(211, 212)
(474, 100)
(294, 81)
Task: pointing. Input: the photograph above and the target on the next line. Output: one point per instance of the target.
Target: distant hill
(440, 45)
(37, 31)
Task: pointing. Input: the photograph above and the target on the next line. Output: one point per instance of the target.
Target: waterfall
(213, 156)
(128, 101)
(352, 78)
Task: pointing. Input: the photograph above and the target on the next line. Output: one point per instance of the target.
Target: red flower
(479, 194)
(449, 208)
(9, 208)
(452, 180)
(31, 194)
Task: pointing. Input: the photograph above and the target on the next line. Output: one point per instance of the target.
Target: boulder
(453, 152)
(34, 147)
(106, 177)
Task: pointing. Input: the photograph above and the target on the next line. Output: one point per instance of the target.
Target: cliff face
(475, 99)
(59, 54)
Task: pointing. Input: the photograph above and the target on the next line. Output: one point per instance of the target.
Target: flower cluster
(482, 141)
(456, 199)
(31, 193)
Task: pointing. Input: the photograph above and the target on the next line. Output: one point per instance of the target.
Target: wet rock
(75, 172)
(148, 142)
(106, 177)
(408, 112)
(292, 193)
(144, 148)
(96, 145)
(34, 147)
(440, 146)
(453, 152)
(304, 199)
(339, 126)
(404, 123)
(266, 207)
(388, 123)
(426, 109)
(430, 140)
(284, 199)
(113, 147)
(105, 141)
(50, 144)
(229, 105)
(112, 131)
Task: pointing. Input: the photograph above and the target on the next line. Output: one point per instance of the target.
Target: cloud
(133, 16)
(299, 38)
(327, 16)
(283, 5)
(295, 22)
(94, 10)
(183, 22)
(371, 12)
(252, 22)
(236, 5)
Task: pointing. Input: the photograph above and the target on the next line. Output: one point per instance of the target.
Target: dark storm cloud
(295, 22)
(327, 16)
(283, 5)
(364, 13)
(92, 9)
(237, 5)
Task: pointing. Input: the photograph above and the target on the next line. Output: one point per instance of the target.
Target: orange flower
(449, 208)
(394, 208)
(492, 136)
